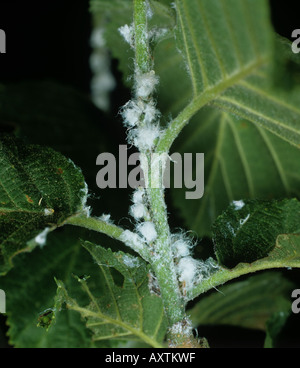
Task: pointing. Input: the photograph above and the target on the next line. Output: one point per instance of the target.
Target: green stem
(224, 275)
(113, 231)
(175, 127)
(162, 262)
(142, 49)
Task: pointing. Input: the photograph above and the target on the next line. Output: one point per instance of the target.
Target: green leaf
(247, 231)
(250, 303)
(222, 40)
(272, 109)
(127, 310)
(30, 289)
(54, 115)
(285, 254)
(241, 161)
(228, 47)
(274, 327)
(39, 189)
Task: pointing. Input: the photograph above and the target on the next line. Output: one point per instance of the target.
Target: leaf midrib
(198, 102)
(140, 334)
(213, 92)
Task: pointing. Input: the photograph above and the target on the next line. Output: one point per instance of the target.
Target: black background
(50, 40)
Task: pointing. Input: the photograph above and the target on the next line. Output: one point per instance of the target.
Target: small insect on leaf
(46, 318)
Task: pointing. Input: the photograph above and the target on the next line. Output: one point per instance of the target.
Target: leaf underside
(249, 303)
(229, 49)
(127, 310)
(228, 46)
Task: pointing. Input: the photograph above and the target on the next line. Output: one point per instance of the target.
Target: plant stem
(142, 49)
(162, 261)
(224, 275)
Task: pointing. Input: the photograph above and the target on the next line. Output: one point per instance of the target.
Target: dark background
(50, 40)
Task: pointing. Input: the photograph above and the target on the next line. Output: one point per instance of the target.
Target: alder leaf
(127, 310)
(242, 160)
(247, 230)
(228, 47)
(30, 289)
(230, 53)
(274, 327)
(285, 254)
(39, 189)
(250, 303)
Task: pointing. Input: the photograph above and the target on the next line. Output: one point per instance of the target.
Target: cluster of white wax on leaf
(140, 212)
(103, 81)
(106, 218)
(190, 271)
(133, 240)
(131, 261)
(128, 34)
(48, 211)
(84, 208)
(41, 239)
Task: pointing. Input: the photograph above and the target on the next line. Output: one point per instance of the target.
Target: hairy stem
(142, 49)
(162, 261)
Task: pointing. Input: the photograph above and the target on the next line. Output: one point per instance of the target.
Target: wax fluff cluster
(85, 209)
(190, 271)
(140, 114)
(139, 210)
